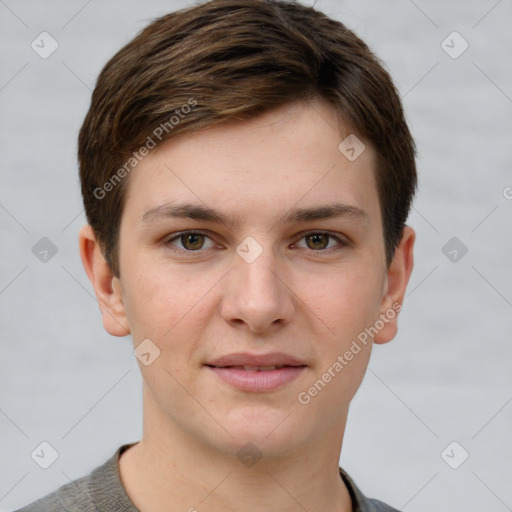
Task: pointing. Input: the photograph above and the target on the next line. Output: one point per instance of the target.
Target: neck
(171, 470)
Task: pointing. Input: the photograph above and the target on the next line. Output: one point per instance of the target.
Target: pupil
(318, 238)
(195, 241)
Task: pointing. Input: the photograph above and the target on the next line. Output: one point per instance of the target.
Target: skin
(306, 299)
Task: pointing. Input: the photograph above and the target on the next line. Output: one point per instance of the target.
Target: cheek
(165, 305)
(151, 302)
(347, 300)
(348, 305)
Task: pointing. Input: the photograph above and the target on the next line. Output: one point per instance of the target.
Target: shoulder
(378, 506)
(360, 502)
(101, 490)
(72, 497)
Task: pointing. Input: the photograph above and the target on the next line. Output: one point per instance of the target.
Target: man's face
(263, 281)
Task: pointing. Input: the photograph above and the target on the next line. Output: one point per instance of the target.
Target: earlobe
(398, 276)
(106, 285)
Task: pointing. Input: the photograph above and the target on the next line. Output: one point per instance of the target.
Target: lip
(257, 381)
(230, 369)
(247, 359)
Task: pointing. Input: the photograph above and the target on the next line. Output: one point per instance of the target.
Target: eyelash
(341, 243)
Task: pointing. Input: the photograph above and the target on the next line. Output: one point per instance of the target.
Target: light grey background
(446, 377)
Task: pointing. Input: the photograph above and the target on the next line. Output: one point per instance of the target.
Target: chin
(272, 431)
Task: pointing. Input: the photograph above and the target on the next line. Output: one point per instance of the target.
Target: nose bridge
(257, 295)
(257, 273)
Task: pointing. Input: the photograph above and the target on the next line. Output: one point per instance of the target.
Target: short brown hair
(236, 59)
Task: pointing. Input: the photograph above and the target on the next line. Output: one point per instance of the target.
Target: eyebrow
(295, 215)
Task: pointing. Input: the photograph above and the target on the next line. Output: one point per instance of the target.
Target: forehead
(290, 156)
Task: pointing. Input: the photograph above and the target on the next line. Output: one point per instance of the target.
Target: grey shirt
(102, 491)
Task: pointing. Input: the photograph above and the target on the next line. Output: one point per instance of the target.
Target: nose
(257, 295)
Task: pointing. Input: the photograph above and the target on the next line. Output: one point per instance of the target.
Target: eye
(319, 241)
(190, 241)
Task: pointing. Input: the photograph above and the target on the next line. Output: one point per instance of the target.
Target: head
(230, 119)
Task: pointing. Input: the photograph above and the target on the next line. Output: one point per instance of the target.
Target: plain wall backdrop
(447, 375)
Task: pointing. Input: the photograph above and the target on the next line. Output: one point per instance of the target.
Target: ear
(398, 276)
(106, 286)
